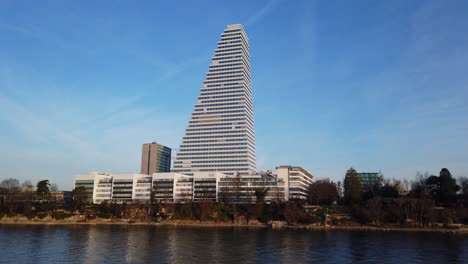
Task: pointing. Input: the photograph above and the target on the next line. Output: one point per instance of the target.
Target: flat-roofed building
(205, 186)
(103, 188)
(86, 181)
(368, 180)
(298, 180)
(286, 182)
(244, 188)
(155, 158)
(116, 187)
(322, 179)
(163, 186)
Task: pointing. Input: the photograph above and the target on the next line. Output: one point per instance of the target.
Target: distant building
(368, 180)
(322, 179)
(155, 158)
(62, 197)
(401, 189)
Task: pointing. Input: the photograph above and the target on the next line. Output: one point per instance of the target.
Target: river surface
(152, 244)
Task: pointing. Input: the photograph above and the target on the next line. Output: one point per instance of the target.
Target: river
(155, 244)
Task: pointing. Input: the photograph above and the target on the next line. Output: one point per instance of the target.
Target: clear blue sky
(377, 85)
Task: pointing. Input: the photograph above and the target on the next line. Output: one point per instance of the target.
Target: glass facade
(89, 186)
(155, 158)
(368, 179)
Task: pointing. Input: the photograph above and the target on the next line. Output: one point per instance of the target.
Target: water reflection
(149, 244)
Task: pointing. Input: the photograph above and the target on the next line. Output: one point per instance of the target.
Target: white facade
(243, 188)
(118, 187)
(285, 183)
(298, 180)
(220, 135)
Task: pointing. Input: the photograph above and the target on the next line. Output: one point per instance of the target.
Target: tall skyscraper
(220, 135)
(155, 158)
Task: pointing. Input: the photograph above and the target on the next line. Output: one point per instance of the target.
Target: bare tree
(406, 183)
(320, 193)
(10, 184)
(339, 189)
(418, 186)
(278, 194)
(396, 182)
(27, 186)
(224, 195)
(186, 196)
(54, 187)
(463, 182)
(237, 184)
(9, 188)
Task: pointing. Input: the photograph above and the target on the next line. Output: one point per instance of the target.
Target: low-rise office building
(286, 182)
(117, 187)
(297, 179)
(245, 188)
(61, 197)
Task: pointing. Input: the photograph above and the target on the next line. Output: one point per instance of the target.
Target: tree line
(26, 199)
(425, 200)
(421, 202)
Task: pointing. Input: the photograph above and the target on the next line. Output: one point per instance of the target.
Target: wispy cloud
(260, 14)
(41, 35)
(57, 147)
(181, 67)
(17, 29)
(37, 128)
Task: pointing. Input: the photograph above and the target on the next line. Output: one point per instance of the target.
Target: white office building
(282, 184)
(298, 180)
(220, 135)
(116, 187)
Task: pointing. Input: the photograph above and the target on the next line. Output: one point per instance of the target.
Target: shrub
(61, 215)
(360, 214)
(105, 215)
(294, 213)
(41, 215)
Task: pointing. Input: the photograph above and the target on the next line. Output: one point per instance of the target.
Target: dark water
(142, 244)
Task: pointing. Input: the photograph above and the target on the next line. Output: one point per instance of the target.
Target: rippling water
(149, 244)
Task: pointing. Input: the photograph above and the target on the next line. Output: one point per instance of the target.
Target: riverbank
(194, 223)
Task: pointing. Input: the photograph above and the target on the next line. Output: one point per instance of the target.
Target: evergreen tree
(448, 187)
(79, 198)
(353, 188)
(442, 188)
(43, 192)
(44, 196)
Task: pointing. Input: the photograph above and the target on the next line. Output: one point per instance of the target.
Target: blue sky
(377, 85)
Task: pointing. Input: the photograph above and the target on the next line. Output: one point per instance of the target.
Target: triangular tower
(220, 135)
